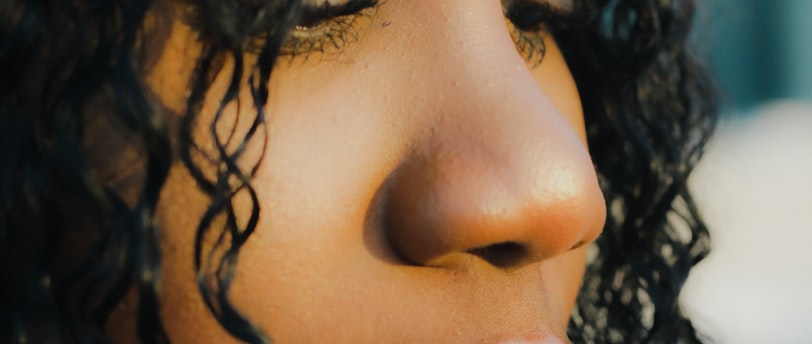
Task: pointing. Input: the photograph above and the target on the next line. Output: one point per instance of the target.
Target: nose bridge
(475, 73)
(471, 53)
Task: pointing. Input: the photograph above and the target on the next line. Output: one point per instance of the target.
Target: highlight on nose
(508, 216)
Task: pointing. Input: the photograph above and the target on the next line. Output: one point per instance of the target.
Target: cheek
(183, 310)
(569, 269)
(557, 83)
(319, 264)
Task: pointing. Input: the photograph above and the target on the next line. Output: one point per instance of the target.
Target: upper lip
(543, 340)
(543, 336)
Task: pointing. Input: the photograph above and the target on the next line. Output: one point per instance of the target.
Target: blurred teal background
(759, 50)
(753, 185)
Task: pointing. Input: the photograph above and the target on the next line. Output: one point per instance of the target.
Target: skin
(390, 165)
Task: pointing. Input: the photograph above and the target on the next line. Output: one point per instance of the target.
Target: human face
(422, 184)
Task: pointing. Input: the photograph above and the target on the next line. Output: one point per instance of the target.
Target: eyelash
(530, 44)
(328, 28)
(531, 21)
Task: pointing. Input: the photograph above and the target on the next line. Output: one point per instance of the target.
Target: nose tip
(496, 167)
(507, 213)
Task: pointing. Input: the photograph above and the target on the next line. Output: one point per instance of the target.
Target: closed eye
(532, 20)
(325, 25)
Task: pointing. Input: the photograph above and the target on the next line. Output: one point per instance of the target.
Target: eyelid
(327, 10)
(533, 21)
(326, 26)
(528, 20)
(530, 15)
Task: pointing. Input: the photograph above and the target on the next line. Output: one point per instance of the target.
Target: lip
(549, 340)
(538, 338)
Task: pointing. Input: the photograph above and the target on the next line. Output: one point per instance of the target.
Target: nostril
(502, 255)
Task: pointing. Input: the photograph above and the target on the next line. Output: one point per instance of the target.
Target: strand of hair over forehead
(226, 37)
(650, 108)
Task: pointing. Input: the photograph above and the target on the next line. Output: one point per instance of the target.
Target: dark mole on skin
(386, 23)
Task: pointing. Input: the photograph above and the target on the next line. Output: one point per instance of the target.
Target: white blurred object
(755, 190)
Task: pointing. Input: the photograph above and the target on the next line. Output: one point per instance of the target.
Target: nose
(498, 171)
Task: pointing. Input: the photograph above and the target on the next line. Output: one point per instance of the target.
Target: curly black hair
(72, 245)
(650, 109)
